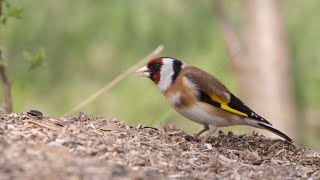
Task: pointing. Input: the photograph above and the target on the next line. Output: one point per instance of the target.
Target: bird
(201, 97)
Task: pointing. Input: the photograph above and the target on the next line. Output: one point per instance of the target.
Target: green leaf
(15, 12)
(38, 59)
(10, 12)
(7, 4)
(3, 20)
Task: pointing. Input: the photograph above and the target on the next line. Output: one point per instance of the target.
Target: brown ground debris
(84, 147)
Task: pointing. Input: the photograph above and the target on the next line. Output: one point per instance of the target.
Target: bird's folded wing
(213, 92)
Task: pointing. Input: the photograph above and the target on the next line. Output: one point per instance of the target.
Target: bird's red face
(163, 71)
(152, 70)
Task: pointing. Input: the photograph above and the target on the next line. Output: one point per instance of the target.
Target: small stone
(188, 138)
(110, 127)
(139, 126)
(256, 162)
(208, 146)
(184, 146)
(118, 170)
(35, 113)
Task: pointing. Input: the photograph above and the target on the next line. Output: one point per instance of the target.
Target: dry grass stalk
(115, 81)
(6, 89)
(42, 124)
(4, 79)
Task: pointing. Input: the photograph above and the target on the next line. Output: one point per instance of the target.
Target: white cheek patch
(165, 75)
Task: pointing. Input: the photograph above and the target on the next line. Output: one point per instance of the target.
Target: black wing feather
(237, 104)
(234, 103)
(276, 131)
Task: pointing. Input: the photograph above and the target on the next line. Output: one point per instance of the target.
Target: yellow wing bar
(225, 106)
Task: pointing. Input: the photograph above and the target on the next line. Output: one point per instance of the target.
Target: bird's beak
(143, 72)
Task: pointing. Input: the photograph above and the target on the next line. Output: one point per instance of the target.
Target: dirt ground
(84, 147)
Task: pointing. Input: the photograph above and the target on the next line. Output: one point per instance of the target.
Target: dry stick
(42, 124)
(6, 89)
(115, 81)
(4, 78)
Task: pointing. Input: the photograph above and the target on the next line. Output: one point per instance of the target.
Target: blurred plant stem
(6, 89)
(116, 80)
(4, 77)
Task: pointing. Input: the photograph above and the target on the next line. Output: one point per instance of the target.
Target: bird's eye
(155, 67)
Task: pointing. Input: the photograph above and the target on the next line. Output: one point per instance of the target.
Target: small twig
(115, 81)
(6, 89)
(41, 124)
(5, 80)
(225, 159)
(1, 5)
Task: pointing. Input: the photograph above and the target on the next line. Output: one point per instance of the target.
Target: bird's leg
(212, 129)
(206, 128)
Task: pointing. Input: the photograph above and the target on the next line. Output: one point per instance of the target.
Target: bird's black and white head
(163, 71)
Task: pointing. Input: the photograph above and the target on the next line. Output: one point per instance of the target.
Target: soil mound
(82, 147)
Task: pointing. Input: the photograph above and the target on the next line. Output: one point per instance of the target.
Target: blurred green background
(89, 43)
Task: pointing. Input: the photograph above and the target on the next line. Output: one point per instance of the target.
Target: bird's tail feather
(276, 131)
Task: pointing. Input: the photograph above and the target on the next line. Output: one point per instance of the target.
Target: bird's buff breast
(182, 96)
(199, 112)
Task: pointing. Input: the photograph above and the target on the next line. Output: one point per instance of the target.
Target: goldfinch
(201, 97)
